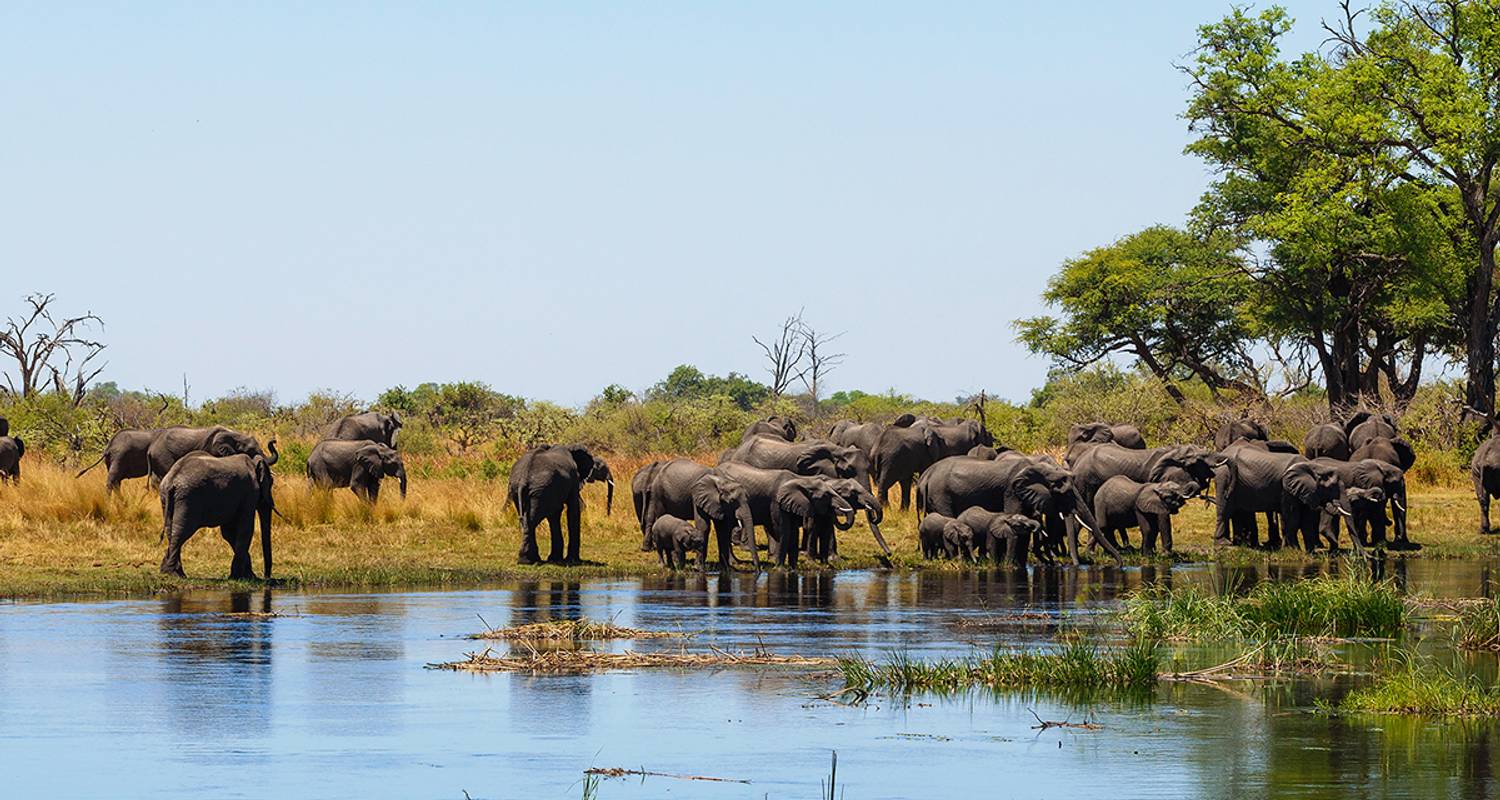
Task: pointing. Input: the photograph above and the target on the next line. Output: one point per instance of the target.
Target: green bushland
(1344, 606)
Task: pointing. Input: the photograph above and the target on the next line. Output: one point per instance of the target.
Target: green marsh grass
(1420, 687)
(1079, 665)
(1344, 606)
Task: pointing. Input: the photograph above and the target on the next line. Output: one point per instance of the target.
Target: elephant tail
(168, 503)
(91, 466)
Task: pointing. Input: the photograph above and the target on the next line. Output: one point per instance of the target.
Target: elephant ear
(371, 458)
(1404, 453)
(904, 421)
(812, 455)
(955, 531)
(707, 497)
(793, 498)
(211, 444)
(4, 426)
(1174, 457)
(1301, 482)
(1355, 420)
(1150, 500)
(584, 459)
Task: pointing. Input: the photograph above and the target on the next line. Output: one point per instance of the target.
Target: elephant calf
(1122, 503)
(11, 450)
(358, 465)
(930, 534)
(993, 533)
(672, 537)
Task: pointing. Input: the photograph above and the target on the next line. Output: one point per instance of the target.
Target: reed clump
(573, 630)
(1344, 606)
(1478, 625)
(1420, 687)
(1078, 666)
(559, 662)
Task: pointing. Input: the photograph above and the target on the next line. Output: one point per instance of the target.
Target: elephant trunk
(401, 476)
(747, 530)
(609, 495)
(873, 517)
(265, 535)
(275, 455)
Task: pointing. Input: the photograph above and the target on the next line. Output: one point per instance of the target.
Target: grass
(1079, 665)
(1346, 606)
(64, 536)
(572, 662)
(1419, 687)
(573, 630)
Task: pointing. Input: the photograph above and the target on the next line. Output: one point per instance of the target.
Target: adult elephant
(1235, 430)
(787, 505)
(1014, 483)
(546, 482)
(175, 442)
(1326, 441)
(1366, 426)
(1399, 454)
(865, 435)
(783, 428)
(859, 497)
(1100, 432)
(903, 453)
(1368, 484)
(357, 465)
(1183, 463)
(371, 426)
(11, 450)
(804, 458)
(1484, 470)
(705, 495)
(202, 490)
(1258, 480)
(125, 457)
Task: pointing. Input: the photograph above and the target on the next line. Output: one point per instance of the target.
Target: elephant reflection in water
(544, 601)
(216, 652)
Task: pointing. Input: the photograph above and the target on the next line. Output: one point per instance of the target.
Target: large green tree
(1365, 172)
(1176, 302)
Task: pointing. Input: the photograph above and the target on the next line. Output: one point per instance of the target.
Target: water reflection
(214, 650)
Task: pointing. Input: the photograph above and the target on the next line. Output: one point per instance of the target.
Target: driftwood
(1044, 724)
(582, 661)
(621, 772)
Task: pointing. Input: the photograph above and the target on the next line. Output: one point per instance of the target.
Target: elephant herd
(975, 499)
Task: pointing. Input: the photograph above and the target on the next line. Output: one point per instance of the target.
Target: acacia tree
(49, 349)
(785, 353)
(1405, 119)
(1176, 302)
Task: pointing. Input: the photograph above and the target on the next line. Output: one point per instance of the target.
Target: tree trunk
(1479, 371)
(1149, 359)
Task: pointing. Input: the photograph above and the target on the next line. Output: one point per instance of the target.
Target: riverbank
(62, 537)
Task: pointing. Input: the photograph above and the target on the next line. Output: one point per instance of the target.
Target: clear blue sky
(553, 197)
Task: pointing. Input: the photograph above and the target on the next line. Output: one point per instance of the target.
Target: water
(180, 697)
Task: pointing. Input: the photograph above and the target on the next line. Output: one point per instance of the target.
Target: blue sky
(554, 197)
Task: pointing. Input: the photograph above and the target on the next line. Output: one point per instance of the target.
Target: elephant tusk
(1345, 513)
(1083, 524)
(1398, 505)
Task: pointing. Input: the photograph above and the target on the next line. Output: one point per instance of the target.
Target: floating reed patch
(1478, 625)
(1348, 606)
(573, 662)
(1425, 689)
(1078, 666)
(573, 630)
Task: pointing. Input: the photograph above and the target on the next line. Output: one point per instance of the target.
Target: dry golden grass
(64, 535)
(573, 630)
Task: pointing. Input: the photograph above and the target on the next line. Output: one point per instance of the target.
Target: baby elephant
(359, 465)
(672, 537)
(1122, 503)
(993, 534)
(930, 534)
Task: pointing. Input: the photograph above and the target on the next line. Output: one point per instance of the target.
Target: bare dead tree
(785, 354)
(51, 350)
(820, 361)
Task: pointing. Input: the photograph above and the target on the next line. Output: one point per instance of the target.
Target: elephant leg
(1166, 533)
(575, 534)
(244, 534)
(1273, 530)
(1148, 524)
(528, 553)
(1482, 493)
(171, 561)
(555, 530)
(905, 494)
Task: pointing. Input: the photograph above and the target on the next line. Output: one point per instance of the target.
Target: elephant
(1123, 503)
(902, 453)
(1183, 463)
(985, 452)
(983, 532)
(125, 457)
(931, 534)
(640, 486)
(672, 537)
(1326, 441)
(804, 458)
(707, 495)
(1235, 430)
(1368, 483)
(787, 504)
(863, 435)
(177, 441)
(781, 427)
(544, 483)
(203, 490)
(1484, 469)
(1099, 432)
(1366, 426)
(1398, 453)
(1015, 483)
(858, 496)
(372, 426)
(11, 450)
(1254, 480)
(359, 465)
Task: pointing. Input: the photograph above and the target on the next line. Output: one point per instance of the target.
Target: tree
(1175, 302)
(785, 354)
(687, 382)
(51, 350)
(1408, 108)
(820, 361)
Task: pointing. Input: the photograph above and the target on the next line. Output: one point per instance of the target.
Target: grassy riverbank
(63, 536)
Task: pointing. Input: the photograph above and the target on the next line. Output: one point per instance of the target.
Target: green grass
(1345, 606)
(1478, 625)
(1422, 688)
(1078, 666)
